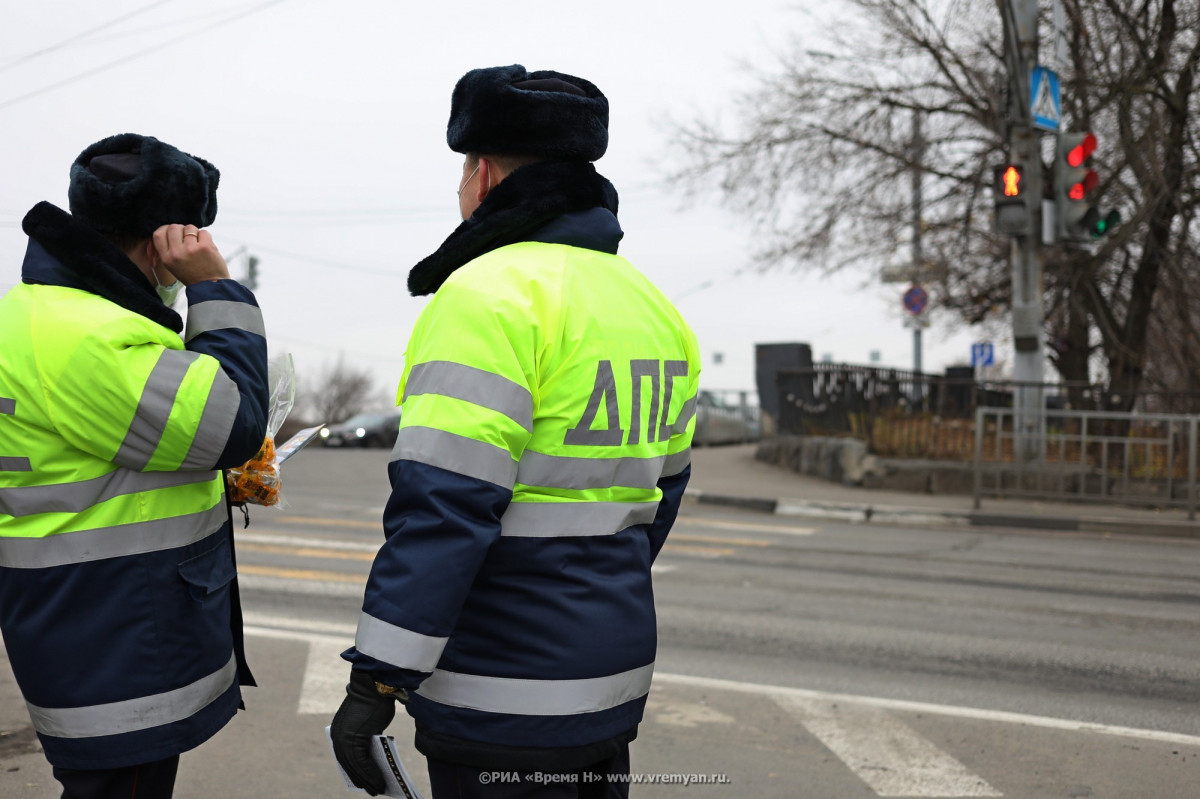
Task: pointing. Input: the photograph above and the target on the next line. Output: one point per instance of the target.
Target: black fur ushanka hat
(131, 184)
(508, 111)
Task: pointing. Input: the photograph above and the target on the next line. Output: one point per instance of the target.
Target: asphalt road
(797, 659)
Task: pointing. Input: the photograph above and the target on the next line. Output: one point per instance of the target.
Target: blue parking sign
(983, 354)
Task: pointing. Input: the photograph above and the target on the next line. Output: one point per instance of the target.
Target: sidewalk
(731, 476)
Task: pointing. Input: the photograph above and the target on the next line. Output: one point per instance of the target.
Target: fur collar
(528, 199)
(83, 259)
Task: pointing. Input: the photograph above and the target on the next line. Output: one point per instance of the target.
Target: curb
(862, 513)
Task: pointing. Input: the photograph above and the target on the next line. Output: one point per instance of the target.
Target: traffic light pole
(1025, 257)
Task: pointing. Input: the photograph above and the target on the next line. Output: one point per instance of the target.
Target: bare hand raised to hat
(189, 254)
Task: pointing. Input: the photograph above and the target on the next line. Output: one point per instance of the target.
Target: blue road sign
(983, 354)
(915, 299)
(1045, 102)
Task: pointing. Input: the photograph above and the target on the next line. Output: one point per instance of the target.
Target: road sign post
(916, 300)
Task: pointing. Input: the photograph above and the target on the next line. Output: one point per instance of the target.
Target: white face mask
(168, 294)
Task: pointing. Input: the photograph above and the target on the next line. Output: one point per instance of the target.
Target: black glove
(365, 712)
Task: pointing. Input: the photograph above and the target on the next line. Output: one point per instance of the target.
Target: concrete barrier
(846, 460)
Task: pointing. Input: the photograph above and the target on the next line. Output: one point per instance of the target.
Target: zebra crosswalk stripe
(884, 752)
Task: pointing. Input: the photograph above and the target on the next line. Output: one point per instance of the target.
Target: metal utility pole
(918, 146)
(1025, 258)
(915, 298)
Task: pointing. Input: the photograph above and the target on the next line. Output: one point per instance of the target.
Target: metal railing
(727, 417)
(902, 414)
(1092, 456)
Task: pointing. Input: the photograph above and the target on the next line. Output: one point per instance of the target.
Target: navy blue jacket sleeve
(439, 526)
(224, 321)
(668, 508)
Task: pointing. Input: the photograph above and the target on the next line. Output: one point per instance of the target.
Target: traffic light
(1075, 182)
(1012, 204)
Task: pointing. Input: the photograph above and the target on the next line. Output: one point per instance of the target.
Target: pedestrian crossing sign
(1045, 100)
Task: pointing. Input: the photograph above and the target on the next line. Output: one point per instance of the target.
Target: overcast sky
(327, 121)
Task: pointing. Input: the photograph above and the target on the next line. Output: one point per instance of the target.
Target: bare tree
(822, 155)
(337, 392)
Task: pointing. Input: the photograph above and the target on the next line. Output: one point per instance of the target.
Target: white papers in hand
(383, 752)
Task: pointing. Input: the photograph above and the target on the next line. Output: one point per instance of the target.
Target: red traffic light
(1079, 153)
(1008, 183)
(1011, 179)
(1009, 195)
(1079, 190)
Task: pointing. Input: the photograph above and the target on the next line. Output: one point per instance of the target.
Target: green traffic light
(1105, 224)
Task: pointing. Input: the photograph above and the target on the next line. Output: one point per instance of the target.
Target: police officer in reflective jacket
(548, 399)
(118, 598)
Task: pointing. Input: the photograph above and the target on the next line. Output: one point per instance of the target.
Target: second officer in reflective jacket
(548, 400)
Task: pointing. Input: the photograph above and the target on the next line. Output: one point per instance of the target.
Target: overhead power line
(140, 54)
(80, 36)
(399, 273)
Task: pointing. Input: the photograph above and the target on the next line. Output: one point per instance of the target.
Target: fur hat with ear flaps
(131, 184)
(508, 111)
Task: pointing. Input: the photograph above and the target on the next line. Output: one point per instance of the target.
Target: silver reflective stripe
(677, 463)
(221, 315)
(685, 415)
(455, 453)
(536, 697)
(555, 471)
(220, 411)
(79, 496)
(477, 386)
(397, 646)
(110, 542)
(553, 519)
(154, 407)
(8, 407)
(132, 715)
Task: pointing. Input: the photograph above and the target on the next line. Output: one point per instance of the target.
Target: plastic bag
(257, 482)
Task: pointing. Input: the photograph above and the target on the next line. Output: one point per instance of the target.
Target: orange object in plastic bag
(257, 481)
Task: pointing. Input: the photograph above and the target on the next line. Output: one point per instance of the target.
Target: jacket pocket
(208, 575)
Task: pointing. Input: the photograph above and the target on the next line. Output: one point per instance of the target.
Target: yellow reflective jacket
(116, 567)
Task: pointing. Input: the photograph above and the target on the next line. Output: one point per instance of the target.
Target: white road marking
(693, 521)
(347, 546)
(881, 750)
(305, 542)
(269, 626)
(325, 673)
(884, 752)
(955, 711)
(325, 678)
(297, 585)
